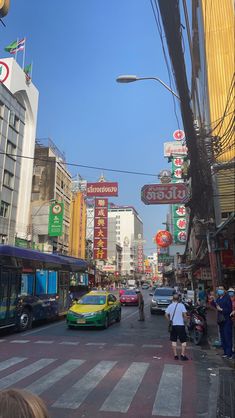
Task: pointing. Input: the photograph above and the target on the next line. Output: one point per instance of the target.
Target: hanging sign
(163, 238)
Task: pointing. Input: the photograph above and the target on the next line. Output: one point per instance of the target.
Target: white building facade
(128, 230)
(17, 137)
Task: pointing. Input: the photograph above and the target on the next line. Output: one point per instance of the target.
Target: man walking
(140, 305)
(176, 313)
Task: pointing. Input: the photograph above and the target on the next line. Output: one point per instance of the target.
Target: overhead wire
(138, 173)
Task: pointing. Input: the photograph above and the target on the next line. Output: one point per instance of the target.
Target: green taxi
(95, 308)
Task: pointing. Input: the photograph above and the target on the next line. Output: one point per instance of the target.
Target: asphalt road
(125, 371)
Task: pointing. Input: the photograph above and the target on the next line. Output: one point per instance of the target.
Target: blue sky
(77, 53)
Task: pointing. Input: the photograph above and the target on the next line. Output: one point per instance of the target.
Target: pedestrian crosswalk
(83, 378)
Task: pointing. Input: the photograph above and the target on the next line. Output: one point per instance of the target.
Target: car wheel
(26, 320)
(119, 316)
(106, 322)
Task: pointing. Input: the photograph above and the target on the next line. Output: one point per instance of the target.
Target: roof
(67, 263)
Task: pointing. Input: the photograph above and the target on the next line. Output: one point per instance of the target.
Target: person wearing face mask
(231, 293)
(223, 305)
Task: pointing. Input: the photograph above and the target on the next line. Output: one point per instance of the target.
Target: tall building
(128, 230)
(18, 119)
(51, 182)
(77, 230)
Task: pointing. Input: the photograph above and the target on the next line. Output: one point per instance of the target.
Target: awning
(225, 224)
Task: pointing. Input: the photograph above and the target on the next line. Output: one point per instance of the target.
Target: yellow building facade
(214, 41)
(77, 232)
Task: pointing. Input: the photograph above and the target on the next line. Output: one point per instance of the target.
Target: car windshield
(129, 292)
(164, 292)
(92, 300)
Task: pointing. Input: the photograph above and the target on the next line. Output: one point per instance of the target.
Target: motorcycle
(197, 326)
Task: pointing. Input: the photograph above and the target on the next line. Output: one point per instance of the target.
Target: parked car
(161, 298)
(129, 297)
(96, 308)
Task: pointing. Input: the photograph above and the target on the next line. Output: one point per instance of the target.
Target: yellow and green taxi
(95, 308)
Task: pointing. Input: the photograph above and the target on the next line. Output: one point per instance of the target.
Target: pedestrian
(140, 305)
(176, 314)
(223, 305)
(17, 403)
(201, 296)
(231, 293)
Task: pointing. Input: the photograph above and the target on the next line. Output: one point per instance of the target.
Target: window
(8, 179)
(14, 121)
(11, 149)
(4, 209)
(1, 110)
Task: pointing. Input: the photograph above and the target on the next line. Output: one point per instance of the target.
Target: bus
(34, 285)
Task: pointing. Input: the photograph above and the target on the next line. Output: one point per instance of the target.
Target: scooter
(197, 326)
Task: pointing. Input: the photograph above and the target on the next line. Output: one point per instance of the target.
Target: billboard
(158, 194)
(55, 224)
(174, 148)
(101, 229)
(102, 189)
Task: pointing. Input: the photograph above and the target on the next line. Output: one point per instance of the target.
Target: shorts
(178, 331)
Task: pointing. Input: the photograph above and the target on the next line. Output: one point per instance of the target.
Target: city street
(126, 370)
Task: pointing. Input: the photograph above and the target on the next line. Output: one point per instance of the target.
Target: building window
(1, 110)
(4, 209)
(14, 121)
(8, 179)
(11, 149)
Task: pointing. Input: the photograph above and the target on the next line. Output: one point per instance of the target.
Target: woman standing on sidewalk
(223, 305)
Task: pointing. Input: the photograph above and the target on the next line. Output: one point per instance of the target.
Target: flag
(15, 46)
(28, 69)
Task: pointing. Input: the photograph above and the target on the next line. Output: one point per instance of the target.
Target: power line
(137, 173)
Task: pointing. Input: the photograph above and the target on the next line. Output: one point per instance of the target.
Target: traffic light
(4, 7)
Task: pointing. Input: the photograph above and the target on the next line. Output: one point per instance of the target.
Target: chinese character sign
(178, 211)
(140, 257)
(101, 229)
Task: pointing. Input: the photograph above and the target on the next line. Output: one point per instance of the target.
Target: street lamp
(132, 78)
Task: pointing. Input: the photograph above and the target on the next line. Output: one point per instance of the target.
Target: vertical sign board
(55, 224)
(140, 256)
(101, 229)
(178, 211)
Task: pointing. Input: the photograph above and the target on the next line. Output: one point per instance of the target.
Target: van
(161, 298)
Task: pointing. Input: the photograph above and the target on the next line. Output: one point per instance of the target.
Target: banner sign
(101, 189)
(101, 229)
(140, 256)
(158, 194)
(56, 215)
(174, 148)
(178, 211)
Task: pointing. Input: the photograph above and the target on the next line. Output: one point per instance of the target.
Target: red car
(129, 297)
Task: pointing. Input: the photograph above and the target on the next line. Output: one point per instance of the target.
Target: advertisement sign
(174, 148)
(178, 135)
(158, 194)
(140, 256)
(178, 211)
(102, 189)
(163, 238)
(109, 268)
(55, 224)
(101, 229)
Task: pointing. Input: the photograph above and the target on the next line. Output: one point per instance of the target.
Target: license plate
(81, 321)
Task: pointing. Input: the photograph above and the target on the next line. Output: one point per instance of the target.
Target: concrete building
(128, 228)
(18, 119)
(77, 230)
(51, 182)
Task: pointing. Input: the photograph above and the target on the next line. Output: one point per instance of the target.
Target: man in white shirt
(176, 312)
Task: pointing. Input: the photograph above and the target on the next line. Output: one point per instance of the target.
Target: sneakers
(224, 356)
(176, 357)
(183, 358)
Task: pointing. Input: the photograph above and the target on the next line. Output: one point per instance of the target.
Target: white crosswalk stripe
(48, 380)
(75, 395)
(122, 395)
(171, 373)
(11, 362)
(15, 377)
(125, 389)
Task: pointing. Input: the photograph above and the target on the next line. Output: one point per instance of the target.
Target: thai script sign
(159, 194)
(174, 148)
(101, 229)
(101, 189)
(55, 224)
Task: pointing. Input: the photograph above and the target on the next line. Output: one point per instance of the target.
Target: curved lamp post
(132, 78)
